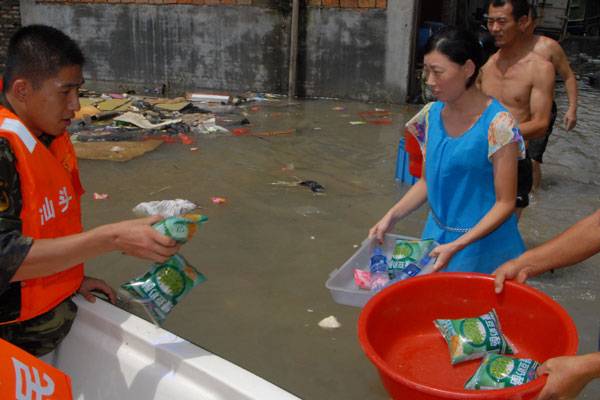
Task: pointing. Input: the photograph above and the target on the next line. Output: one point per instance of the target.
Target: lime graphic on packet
(409, 251)
(500, 367)
(499, 372)
(161, 288)
(472, 338)
(473, 330)
(170, 280)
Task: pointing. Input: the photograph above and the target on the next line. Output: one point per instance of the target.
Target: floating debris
(330, 322)
(273, 133)
(313, 185)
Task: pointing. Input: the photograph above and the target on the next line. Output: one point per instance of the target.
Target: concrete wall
(574, 45)
(10, 21)
(346, 53)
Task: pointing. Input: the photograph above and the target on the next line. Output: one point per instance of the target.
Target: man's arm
(13, 245)
(134, 237)
(567, 376)
(562, 66)
(540, 100)
(574, 245)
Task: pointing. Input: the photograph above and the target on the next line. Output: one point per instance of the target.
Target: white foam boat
(111, 354)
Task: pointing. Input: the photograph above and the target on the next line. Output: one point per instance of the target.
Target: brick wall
(10, 22)
(260, 3)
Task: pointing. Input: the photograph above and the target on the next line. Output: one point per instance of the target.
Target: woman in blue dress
(470, 146)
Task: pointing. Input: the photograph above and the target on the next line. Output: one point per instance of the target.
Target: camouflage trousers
(42, 334)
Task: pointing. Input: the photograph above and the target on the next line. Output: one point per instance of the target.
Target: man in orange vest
(42, 242)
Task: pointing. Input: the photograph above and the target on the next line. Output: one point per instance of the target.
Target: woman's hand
(379, 229)
(444, 253)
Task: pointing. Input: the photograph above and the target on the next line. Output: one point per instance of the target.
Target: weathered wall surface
(10, 21)
(356, 53)
(574, 45)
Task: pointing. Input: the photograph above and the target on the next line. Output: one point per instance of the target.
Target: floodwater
(268, 251)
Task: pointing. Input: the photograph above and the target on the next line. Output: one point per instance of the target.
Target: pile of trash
(151, 121)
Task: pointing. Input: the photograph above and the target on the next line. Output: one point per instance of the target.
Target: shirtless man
(520, 79)
(551, 51)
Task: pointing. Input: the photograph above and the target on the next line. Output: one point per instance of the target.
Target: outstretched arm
(135, 237)
(562, 66)
(576, 244)
(413, 199)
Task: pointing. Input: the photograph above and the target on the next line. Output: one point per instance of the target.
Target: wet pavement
(268, 251)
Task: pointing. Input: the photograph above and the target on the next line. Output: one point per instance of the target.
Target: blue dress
(460, 184)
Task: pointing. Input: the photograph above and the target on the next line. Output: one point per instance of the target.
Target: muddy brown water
(268, 251)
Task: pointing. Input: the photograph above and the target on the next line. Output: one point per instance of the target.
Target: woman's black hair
(459, 46)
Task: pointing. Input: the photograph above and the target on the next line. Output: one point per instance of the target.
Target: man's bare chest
(511, 87)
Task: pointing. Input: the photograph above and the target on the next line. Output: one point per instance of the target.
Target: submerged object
(313, 185)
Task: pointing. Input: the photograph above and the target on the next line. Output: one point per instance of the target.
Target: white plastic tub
(341, 281)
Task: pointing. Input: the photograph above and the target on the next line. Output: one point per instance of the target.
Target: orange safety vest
(51, 192)
(23, 376)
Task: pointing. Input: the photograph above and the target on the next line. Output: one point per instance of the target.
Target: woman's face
(447, 79)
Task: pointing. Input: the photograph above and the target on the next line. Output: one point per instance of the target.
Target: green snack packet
(472, 338)
(499, 372)
(161, 288)
(180, 228)
(407, 252)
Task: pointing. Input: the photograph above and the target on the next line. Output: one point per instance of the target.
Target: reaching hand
(510, 270)
(379, 229)
(570, 119)
(137, 238)
(90, 285)
(444, 253)
(567, 376)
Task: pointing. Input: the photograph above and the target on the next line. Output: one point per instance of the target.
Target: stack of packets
(482, 337)
(409, 258)
(165, 284)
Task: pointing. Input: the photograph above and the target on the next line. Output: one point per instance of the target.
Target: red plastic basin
(397, 334)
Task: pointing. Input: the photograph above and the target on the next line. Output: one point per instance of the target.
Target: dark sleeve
(13, 245)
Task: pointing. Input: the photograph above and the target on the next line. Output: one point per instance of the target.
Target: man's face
(51, 107)
(502, 25)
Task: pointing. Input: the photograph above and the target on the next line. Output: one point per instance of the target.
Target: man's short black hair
(37, 53)
(520, 8)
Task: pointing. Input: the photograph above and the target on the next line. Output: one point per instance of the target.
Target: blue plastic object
(402, 162)
(378, 261)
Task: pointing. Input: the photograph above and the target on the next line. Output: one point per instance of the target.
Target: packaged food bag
(180, 228)
(362, 279)
(499, 372)
(161, 288)
(472, 338)
(409, 252)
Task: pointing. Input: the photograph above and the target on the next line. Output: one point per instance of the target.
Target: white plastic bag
(165, 208)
